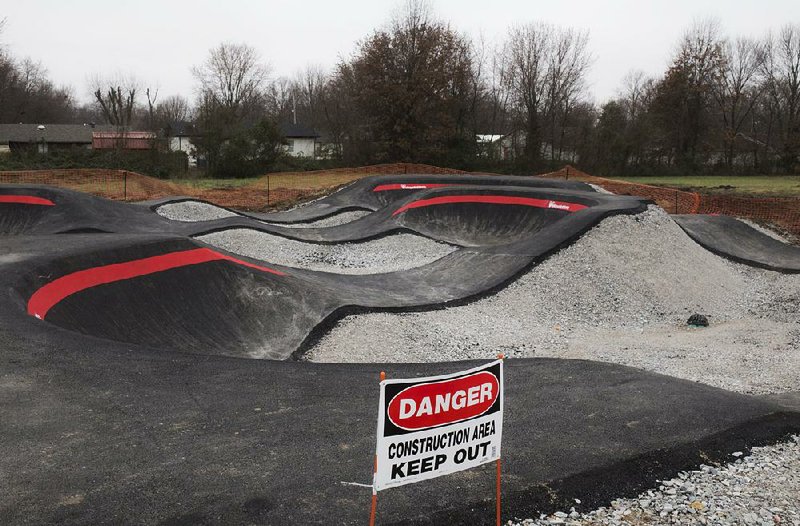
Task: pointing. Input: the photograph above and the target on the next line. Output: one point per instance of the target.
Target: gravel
(336, 219)
(190, 211)
(761, 489)
(621, 293)
(386, 254)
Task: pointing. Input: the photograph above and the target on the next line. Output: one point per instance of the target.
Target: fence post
(676, 201)
(125, 186)
(267, 190)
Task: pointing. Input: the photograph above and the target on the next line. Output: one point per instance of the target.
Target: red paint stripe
(410, 186)
(495, 200)
(55, 291)
(26, 200)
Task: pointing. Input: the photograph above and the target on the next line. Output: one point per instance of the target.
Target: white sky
(159, 41)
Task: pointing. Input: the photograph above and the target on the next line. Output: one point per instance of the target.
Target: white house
(180, 140)
(301, 141)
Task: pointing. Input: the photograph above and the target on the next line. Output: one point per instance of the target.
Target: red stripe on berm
(26, 200)
(49, 295)
(494, 200)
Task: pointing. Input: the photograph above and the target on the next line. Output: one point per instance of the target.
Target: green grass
(213, 184)
(754, 185)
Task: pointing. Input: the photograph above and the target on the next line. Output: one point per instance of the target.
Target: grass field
(215, 184)
(754, 185)
(278, 180)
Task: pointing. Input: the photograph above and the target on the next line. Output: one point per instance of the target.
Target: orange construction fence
(782, 212)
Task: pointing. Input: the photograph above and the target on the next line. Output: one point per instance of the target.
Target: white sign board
(428, 427)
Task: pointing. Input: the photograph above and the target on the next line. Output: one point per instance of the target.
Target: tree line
(417, 90)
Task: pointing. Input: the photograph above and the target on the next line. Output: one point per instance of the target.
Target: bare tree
(737, 89)
(545, 70)
(635, 92)
(568, 64)
(280, 94)
(634, 99)
(493, 113)
(171, 110)
(308, 87)
(526, 55)
(782, 68)
(116, 98)
(152, 98)
(232, 75)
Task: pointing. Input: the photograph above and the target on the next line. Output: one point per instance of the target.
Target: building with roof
(180, 138)
(124, 140)
(46, 137)
(301, 141)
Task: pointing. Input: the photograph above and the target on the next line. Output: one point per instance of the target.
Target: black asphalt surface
(98, 432)
(360, 194)
(225, 316)
(106, 419)
(733, 239)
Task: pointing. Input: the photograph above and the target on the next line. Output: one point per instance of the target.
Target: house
(503, 147)
(489, 146)
(125, 140)
(512, 145)
(180, 136)
(46, 137)
(301, 141)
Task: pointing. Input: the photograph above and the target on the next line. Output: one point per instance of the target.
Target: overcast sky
(158, 41)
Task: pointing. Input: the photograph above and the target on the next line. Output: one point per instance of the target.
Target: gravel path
(762, 489)
(621, 294)
(387, 254)
(191, 211)
(337, 219)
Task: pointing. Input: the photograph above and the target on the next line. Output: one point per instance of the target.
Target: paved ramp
(733, 239)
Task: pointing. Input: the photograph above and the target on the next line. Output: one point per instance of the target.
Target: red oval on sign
(444, 402)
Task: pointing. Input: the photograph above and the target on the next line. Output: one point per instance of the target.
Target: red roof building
(128, 140)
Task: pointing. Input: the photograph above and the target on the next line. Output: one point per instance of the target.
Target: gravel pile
(622, 293)
(762, 489)
(387, 254)
(191, 211)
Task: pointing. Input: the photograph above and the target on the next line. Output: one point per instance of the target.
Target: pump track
(149, 378)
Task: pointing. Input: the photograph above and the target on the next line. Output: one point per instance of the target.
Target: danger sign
(428, 427)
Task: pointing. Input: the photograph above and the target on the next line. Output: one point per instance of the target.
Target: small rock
(697, 320)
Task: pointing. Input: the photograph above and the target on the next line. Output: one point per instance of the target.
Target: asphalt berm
(131, 392)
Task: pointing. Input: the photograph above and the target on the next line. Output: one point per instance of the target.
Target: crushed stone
(620, 294)
(191, 211)
(761, 489)
(386, 254)
(340, 218)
